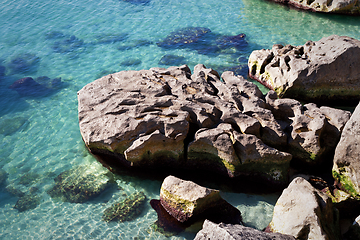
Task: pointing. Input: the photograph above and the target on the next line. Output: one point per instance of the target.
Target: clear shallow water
(40, 135)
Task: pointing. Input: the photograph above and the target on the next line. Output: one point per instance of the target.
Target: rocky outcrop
(322, 72)
(187, 201)
(171, 118)
(224, 231)
(305, 213)
(334, 6)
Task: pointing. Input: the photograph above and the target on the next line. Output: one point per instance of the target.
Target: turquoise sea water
(39, 134)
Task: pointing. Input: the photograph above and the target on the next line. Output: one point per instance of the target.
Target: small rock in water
(10, 125)
(27, 202)
(110, 38)
(24, 63)
(54, 35)
(78, 185)
(172, 60)
(131, 62)
(127, 209)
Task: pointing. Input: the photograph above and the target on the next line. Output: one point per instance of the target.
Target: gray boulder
(222, 231)
(346, 168)
(351, 7)
(187, 201)
(322, 71)
(175, 119)
(305, 213)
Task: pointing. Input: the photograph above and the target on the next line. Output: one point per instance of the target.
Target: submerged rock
(27, 202)
(3, 177)
(110, 38)
(326, 71)
(40, 87)
(219, 231)
(10, 125)
(126, 210)
(24, 63)
(68, 44)
(79, 184)
(237, 41)
(54, 35)
(183, 37)
(2, 71)
(305, 213)
(172, 60)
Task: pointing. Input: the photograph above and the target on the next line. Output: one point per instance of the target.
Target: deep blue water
(80, 41)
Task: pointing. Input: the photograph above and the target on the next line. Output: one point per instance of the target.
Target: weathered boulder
(313, 132)
(174, 119)
(324, 71)
(305, 213)
(224, 231)
(187, 201)
(346, 161)
(336, 6)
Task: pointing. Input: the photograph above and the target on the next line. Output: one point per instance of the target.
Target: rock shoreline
(223, 126)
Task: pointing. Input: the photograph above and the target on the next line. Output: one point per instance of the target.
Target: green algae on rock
(127, 209)
(322, 72)
(79, 184)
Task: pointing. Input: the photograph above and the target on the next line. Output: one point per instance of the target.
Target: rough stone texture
(172, 118)
(322, 71)
(305, 213)
(349, 7)
(313, 132)
(184, 199)
(346, 160)
(223, 231)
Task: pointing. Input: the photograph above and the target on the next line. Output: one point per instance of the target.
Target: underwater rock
(68, 44)
(237, 41)
(3, 176)
(28, 87)
(183, 37)
(126, 210)
(24, 63)
(138, 2)
(305, 213)
(219, 231)
(131, 62)
(10, 125)
(110, 38)
(324, 72)
(334, 6)
(54, 35)
(134, 44)
(172, 60)
(79, 185)
(2, 71)
(49, 83)
(29, 178)
(27, 202)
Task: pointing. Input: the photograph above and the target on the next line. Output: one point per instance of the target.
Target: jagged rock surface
(322, 71)
(175, 119)
(305, 213)
(351, 7)
(224, 231)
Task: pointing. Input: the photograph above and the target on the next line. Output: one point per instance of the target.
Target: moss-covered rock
(127, 209)
(79, 184)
